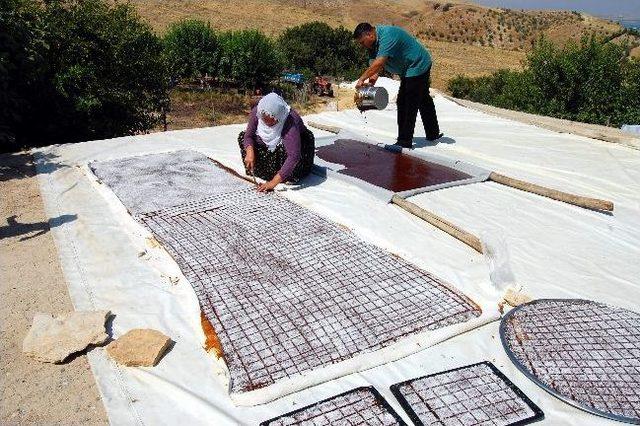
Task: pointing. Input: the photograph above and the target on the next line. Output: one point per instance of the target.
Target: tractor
(322, 87)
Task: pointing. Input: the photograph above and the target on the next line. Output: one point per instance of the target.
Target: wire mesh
(288, 291)
(361, 406)
(586, 353)
(473, 395)
(156, 181)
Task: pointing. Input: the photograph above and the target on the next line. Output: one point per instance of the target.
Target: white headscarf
(276, 107)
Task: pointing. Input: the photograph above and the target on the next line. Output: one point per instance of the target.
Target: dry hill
(502, 28)
(445, 21)
(272, 16)
(464, 37)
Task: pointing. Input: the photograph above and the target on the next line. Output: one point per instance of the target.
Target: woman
(276, 146)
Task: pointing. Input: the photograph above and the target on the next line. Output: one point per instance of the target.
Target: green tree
(21, 62)
(317, 49)
(248, 58)
(593, 81)
(91, 70)
(505, 88)
(629, 103)
(191, 48)
(351, 59)
(580, 81)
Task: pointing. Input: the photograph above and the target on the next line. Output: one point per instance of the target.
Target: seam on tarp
(115, 368)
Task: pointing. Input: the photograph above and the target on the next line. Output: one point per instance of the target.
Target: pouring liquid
(363, 115)
(370, 97)
(365, 123)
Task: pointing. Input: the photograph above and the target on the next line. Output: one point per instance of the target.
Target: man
(395, 50)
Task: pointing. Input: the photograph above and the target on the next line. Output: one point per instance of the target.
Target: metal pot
(370, 97)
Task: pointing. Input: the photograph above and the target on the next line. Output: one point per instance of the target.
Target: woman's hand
(250, 159)
(268, 186)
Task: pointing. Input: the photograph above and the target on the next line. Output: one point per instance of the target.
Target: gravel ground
(30, 281)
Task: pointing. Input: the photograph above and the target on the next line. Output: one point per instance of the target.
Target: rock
(140, 347)
(513, 297)
(516, 298)
(54, 339)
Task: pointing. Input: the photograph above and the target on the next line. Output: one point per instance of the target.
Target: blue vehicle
(294, 78)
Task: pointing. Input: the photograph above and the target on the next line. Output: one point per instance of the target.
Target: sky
(627, 12)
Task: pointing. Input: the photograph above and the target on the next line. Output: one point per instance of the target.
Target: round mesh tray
(585, 353)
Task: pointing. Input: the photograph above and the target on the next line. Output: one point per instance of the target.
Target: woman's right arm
(252, 126)
(250, 140)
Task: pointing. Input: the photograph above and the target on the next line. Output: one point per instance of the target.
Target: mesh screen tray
(583, 352)
(289, 293)
(477, 394)
(361, 406)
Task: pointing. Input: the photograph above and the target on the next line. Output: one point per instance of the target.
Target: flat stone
(54, 339)
(140, 347)
(516, 298)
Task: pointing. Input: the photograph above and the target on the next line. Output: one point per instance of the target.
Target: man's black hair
(362, 29)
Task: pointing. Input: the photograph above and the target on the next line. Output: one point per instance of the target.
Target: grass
(195, 108)
(452, 59)
(190, 109)
(270, 16)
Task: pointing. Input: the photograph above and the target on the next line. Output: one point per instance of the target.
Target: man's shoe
(403, 144)
(431, 139)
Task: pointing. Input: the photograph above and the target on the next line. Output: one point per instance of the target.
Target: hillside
(445, 21)
(502, 28)
(272, 16)
(464, 37)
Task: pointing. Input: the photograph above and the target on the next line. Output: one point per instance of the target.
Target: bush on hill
(73, 70)
(191, 48)
(591, 81)
(248, 58)
(317, 49)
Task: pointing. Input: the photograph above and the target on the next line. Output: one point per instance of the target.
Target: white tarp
(556, 250)
(207, 247)
(631, 128)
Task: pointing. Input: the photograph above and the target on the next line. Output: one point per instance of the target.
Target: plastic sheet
(274, 284)
(556, 250)
(496, 253)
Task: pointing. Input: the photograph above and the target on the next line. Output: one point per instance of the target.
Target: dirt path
(31, 280)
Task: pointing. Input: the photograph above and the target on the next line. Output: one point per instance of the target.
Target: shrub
(79, 70)
(191, 49)
(248, 59)
(504, 88)
(317, 49)
(592, 81)
(21, 63)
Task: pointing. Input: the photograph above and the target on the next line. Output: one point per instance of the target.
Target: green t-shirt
(406, 56)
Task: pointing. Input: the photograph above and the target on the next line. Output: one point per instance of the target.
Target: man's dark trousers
(413, 97)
